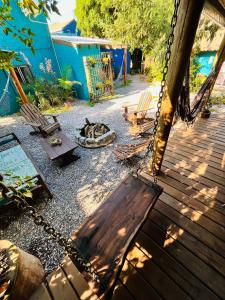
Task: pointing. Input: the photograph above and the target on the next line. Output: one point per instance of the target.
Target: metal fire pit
(94, 135)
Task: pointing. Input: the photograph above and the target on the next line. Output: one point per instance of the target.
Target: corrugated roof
(79, 40)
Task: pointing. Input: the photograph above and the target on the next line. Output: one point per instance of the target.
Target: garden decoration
(55, 141)
(136, 113)
(38, 121)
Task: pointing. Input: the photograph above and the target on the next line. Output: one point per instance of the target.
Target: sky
(66, 8)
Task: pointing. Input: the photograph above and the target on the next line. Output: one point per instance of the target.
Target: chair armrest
(49, 115)
(128, 105)
(33, 124)
(53, 116)
(140, 111)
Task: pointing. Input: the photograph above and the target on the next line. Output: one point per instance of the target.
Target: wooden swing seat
(128, 151)
(105, 237)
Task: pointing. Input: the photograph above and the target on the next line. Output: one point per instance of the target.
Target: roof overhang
(215, 9)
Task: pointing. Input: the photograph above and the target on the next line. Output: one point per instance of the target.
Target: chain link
(161, 95)
(11, 194)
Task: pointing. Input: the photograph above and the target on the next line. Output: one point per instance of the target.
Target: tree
(138, 23)
(25, 35)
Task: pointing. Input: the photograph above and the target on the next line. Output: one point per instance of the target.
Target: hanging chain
(11, 194)
(161, 94)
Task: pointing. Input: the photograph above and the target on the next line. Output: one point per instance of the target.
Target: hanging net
(186, 110)
(5, 99)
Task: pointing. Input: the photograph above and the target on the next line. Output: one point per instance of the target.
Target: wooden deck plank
(60, 287)
(206, 196)
(154, 275)
(196, 230)
(180, 251)
(182, 276)
(194, 216)
(192, 243)
(136, 284)
(196, 205)
(172, 244)
(77, 280)
(41, 293)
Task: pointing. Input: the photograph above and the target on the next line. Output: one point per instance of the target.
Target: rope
(5, 89)
(4, 100)
(185, 110)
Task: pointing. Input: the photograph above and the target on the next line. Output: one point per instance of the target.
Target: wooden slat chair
(127, 151)
(37, 120)
(136, 113)
(141, 129)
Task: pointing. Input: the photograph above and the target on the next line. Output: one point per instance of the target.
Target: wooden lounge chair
(15, 159)
(136, 113)
(37, 120)
(128, 151)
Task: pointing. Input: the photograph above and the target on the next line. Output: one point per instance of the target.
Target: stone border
(92, 143)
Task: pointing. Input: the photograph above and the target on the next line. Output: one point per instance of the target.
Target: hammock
(4, 100)
(185, 110)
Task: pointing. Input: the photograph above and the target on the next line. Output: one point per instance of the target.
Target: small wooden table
(62, 153)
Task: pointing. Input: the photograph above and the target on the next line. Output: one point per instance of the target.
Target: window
(24, 73)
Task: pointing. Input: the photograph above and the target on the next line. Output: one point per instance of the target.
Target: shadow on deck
(180, 251)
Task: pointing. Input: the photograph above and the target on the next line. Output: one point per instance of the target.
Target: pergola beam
(215, 9)
(188, 18)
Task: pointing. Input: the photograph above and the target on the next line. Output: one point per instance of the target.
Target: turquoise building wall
(73, 56)
(42, 44)
(206, 60)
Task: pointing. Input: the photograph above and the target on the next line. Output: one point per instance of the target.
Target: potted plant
(105, 60)
(92, 61)
(99, 86)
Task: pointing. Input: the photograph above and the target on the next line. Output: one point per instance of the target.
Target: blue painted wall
(117, 56)
(71, 27)
(206, 59)
(73, 56)
(42, 44)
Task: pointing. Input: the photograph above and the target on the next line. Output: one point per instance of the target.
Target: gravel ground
(80, 187)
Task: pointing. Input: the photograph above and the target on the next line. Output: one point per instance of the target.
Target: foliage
(138, 23)
(218, 100)
(99, 86)
(49, 91)
(127, 83)
(153, 71)
(25, 35)
(90, 103)
(92, 61)
(24, 184)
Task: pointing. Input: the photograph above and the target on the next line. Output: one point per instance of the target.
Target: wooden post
(219, 59)
(18, 86)
(188, 18)
(125, 64)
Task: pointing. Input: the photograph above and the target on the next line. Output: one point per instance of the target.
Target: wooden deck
(180, 251)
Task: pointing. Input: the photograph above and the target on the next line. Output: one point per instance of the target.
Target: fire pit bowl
(94, 135)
